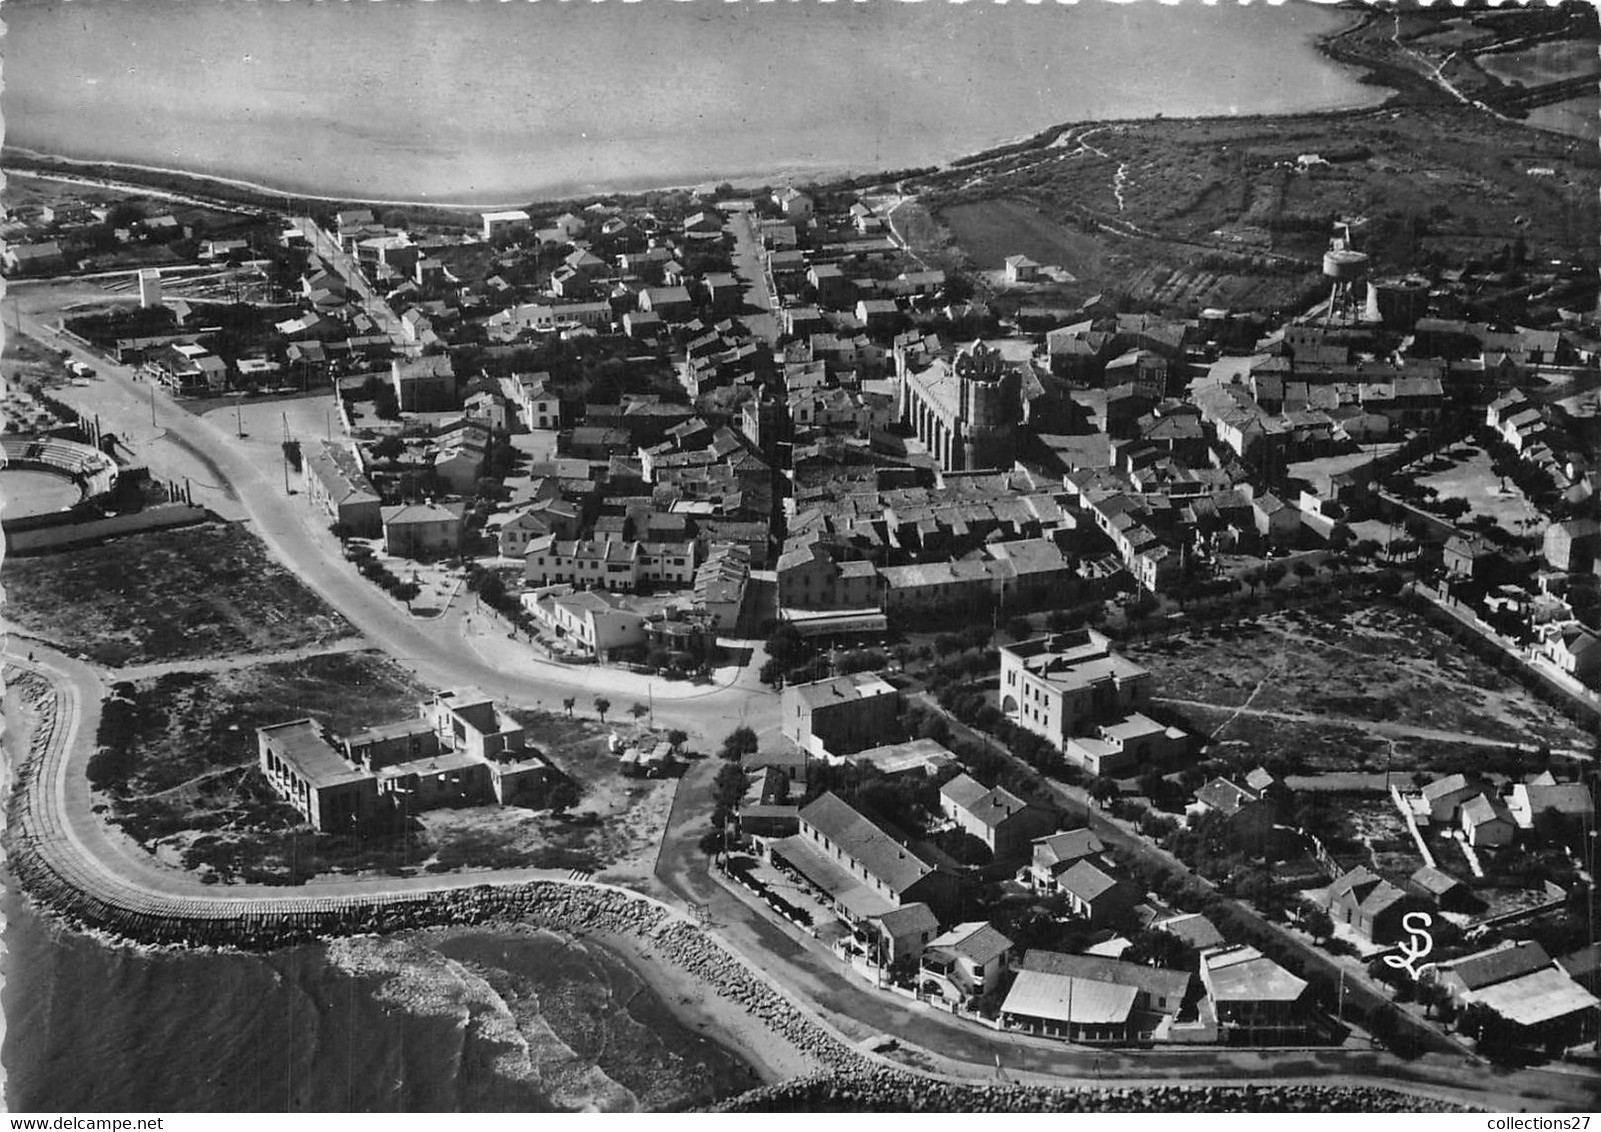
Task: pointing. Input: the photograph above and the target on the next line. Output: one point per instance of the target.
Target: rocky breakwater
(890, 1090)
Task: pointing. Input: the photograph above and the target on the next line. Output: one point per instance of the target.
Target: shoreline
(213, 188)
(136, 175)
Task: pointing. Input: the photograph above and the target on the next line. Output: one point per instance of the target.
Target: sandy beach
(699, 1007)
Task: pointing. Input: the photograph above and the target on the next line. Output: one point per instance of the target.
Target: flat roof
(301, 744)
(1244, 974)
(443, 763)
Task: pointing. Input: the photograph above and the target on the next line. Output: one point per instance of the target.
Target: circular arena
(42, 475)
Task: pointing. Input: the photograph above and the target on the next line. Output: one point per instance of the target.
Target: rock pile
(889, 1090)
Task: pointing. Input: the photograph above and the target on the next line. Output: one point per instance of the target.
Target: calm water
(462, 1021)
(457, 100)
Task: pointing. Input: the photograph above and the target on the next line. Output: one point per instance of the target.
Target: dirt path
(234, 663)
(1377, 727)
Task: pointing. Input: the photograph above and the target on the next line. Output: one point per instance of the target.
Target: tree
(386, 404)
(1305, 570)
(568, 704)
(1019, 628)
(1317, 922)
(638, 710)
(407, 592)
(602, 706)
(388, 448)
(1058, 621)
(563, 795)
(740, 742)
(677, 738)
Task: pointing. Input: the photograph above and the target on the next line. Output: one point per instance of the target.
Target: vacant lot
(31, 365)
(178, 773)
(1347, 688)
(210, 590)
(991, 230)
(1466, 474)
(1541, 63)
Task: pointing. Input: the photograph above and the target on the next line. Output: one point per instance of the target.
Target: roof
(1497, 965)
(1062, 998)
(1244, 974)
(997, 806)
(1564, 798)
(341, 478)
(913, 918)
(1433, 881)
(302, 745)
(963, 790)
(978, 940)
(1224, 796)
(861, 686)
(895, 758)
(1158, 982)
(879, 854)
(831, 877)
(1483, 808)
(1068, 846)
(1540, 996)
(1194, 929)
(419, 513)
(1450, 784)
(400, 728)
(1087, 881)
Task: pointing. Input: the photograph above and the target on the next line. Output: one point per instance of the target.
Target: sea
(507, 101)
(502, 103)
(491, 1020)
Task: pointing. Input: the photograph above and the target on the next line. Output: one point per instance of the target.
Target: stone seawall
(890, 1090)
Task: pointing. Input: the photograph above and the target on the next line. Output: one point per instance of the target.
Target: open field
(203, 591)
(991, 230)
(1541, 63)
(1220, 203)
(1347, 688)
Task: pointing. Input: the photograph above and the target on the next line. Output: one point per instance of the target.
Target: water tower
(1346, 269)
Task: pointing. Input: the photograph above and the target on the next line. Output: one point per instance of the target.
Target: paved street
(748, 266)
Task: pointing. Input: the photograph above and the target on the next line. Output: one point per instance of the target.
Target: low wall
(69, 534)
